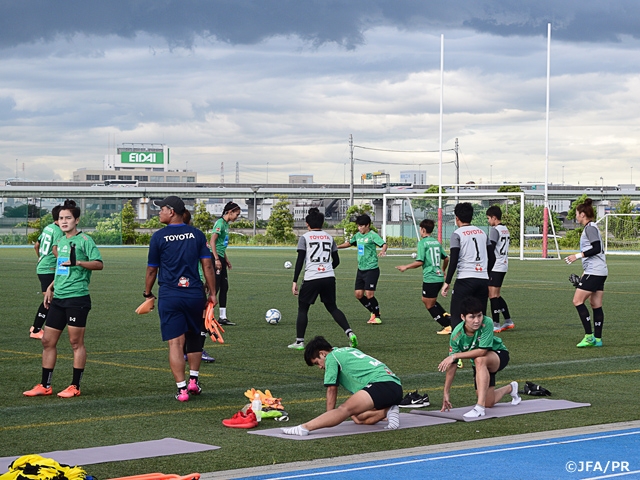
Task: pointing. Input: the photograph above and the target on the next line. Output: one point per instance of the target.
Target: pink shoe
(194, 387)
(39, 334)
(182, 395)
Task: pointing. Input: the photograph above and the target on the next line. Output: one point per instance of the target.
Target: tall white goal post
(526, 241)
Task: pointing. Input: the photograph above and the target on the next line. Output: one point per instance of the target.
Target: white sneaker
(297, 346)
(515, 398)
(476, 412)
(297, 430)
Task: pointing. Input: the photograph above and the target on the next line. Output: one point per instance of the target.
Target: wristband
(579, 255)
(145, 295)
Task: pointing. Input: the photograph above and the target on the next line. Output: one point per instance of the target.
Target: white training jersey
(500, 235)
(318, 246)
(597, 264)
(473, 261)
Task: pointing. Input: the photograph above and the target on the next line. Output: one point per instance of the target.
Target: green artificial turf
(127, 389)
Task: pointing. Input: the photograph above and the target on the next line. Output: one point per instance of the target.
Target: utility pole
(351, 159)
(221, 172)
(237, 172)
(457, 170)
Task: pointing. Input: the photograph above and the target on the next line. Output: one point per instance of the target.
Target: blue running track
(612, 454)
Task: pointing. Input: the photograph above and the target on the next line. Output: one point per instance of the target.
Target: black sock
(584, 318)
(436, 313)
(77, 376)
(302, 320)
(366, 303)
(598, 320)
(375, 308)
(41, 316)
(505, 309)
(47, 373)
(496, 308)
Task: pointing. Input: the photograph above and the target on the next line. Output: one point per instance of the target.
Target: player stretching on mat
(318, 252)
(499, 238)
(430, 253)
(219, 243)
(474, 339)
(47, 252)
(595, 273)
(176, 250)
(376, 390)
(368, 271)
(68, 300)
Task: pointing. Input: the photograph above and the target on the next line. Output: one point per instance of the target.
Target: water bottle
(256, 406)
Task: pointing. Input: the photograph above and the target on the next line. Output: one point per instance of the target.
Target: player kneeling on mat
(474, 339)
(376, 390)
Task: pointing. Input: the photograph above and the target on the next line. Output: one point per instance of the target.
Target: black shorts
(496, 278)
(367, 279)
(325, 287)
(431, 290)
(384, 394)
(68, 311)
(468, 287)
(592, 283)
(503, 355)
(45, 280)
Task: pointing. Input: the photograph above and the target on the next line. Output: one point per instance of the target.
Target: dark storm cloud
(344, 22)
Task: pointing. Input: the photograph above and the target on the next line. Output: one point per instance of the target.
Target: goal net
(522, 213)
(621, 233)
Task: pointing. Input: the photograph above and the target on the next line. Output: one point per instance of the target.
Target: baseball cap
(173, 202)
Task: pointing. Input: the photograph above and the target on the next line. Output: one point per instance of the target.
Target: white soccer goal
(621, 233)
(406, 211)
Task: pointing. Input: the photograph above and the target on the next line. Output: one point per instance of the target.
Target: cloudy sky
(277, 87)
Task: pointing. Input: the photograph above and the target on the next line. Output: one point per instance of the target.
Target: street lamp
(254, 189)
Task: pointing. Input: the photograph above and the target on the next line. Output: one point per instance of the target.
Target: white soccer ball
(288, 264)
(414, 255)
(273, 316)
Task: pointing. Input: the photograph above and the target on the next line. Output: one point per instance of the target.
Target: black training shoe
(225, 321)
(414, 400)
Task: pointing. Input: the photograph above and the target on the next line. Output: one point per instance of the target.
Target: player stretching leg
(368, 271)
(591, 284)
(499, 238)
(430, 253)
(376, 391)
(318, 252)
(473, 339)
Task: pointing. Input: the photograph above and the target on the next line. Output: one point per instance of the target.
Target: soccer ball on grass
(288, 264)
(273, 316)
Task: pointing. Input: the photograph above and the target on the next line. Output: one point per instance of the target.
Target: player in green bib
(473, 339)
(219, 244)
(430, 254)
(368, 270)
(68, 300)
(376, 390)
(47, 252)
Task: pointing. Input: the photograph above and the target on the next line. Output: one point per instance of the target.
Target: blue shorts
(180, 314)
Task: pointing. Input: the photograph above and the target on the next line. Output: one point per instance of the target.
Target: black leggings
(222, 283)
(303, 317)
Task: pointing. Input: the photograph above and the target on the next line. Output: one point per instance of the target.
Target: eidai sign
(153, 158)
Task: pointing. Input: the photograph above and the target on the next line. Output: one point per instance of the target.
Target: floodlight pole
(255, 189)
(351, 161)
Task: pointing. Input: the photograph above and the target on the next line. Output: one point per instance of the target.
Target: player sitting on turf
(430, 253)
(376, 390)
(474, 339)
